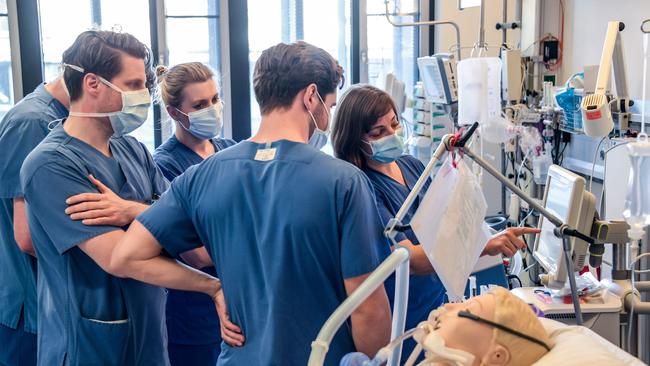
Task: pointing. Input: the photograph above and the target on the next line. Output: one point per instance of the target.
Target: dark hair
(357, 111)
(285, 69)
(99, 52)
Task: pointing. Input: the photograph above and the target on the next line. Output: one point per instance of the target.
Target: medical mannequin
(457, 334)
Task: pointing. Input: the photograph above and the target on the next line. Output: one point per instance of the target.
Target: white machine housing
(438, 73)
(565, 191)
(604, 319)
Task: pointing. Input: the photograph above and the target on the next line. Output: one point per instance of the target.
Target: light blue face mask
(135, 108)
(318, 138)
(386, 149)
(205, 123)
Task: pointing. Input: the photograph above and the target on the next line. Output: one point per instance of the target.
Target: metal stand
(566, 243)
(428, 23)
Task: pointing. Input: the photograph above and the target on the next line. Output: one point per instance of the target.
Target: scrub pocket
(101, 342)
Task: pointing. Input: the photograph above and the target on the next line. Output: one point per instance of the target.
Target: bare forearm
(419, 263)
(169, 273)
(371, 329)
(21, 228)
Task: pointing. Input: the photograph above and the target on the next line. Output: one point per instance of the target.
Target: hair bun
(161, 70)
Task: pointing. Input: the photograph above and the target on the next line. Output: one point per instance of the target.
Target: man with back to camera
(22, 128)
(87, 315)
(291, 230)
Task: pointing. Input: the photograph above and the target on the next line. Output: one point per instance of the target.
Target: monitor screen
(558, 201)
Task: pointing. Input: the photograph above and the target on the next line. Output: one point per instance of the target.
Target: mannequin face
(465, 334)
(494, 329)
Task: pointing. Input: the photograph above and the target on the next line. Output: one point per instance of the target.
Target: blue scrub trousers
(18, 348)
(195, 355)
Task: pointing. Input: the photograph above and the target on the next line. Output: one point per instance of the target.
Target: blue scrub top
(85, 314)
(191, 316)
(22, 128)
(426, 292)
(284, 225)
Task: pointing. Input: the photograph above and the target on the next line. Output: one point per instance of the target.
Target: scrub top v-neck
(86, 314)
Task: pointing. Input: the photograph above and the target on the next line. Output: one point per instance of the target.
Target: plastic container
(479, 89)
(637, 203)
(541, 164)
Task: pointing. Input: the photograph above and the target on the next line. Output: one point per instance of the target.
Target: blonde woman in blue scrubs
(191, 97)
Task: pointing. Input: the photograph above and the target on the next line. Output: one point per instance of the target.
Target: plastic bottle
(541, 164)
(637, 203)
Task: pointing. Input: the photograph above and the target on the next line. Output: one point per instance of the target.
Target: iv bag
(449, 223)
(637, 203)
(498, 129)
(479, 89)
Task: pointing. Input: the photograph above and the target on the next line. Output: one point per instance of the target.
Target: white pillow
(574, 345)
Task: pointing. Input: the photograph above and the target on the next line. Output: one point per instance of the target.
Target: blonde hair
(172, 81)
(512, 312)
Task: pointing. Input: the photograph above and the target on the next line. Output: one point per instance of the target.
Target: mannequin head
(461, 326)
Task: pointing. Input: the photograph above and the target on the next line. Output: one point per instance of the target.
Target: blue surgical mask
(135, 108)
(318, 138)
(205, 123)
(386, 149)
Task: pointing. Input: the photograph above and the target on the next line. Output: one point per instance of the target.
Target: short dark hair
(99, 52)
(285, 69)
(357, 111)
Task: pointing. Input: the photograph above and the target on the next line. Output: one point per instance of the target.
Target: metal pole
(427, 23)
(566, 242)
(504, 34)
(437, 156)
(481, 29)
(495, 173)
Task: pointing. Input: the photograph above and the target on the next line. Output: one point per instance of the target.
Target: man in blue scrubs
(87, 315)
(22, 128)
(291, 230)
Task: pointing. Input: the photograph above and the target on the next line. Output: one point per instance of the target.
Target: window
(325, 24)
(265, 28)
(192, 34)
(129, 16)
(6, 81)
(393, 49)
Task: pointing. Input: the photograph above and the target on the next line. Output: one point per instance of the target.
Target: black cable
(515, 277)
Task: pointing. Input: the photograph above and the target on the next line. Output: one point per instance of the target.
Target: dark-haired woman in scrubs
(365, 134)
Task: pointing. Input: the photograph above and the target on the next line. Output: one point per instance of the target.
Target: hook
(643, 26)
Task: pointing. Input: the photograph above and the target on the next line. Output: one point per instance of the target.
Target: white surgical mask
(135, 108)
(386, 149)
(318, 138)
(205, 123)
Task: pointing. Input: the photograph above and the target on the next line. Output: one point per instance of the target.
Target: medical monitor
(438, 74)
(566, 198)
